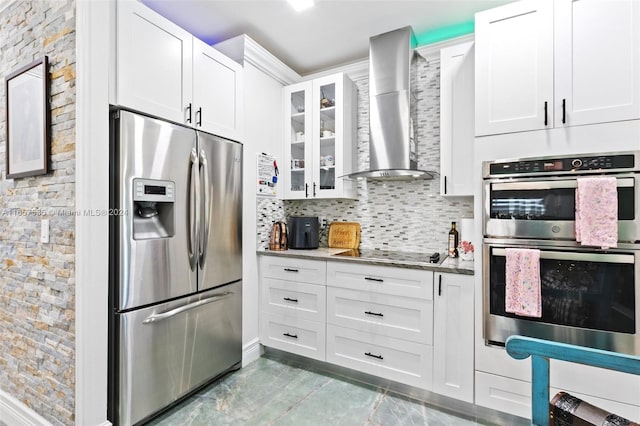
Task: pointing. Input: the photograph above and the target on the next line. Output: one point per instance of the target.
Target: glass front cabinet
(320, 138)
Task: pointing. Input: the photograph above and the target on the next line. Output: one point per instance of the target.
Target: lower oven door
(589, 297)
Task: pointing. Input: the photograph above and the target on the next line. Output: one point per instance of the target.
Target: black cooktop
(390, 255)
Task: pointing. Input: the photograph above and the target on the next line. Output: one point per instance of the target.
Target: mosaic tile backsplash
(394, 215)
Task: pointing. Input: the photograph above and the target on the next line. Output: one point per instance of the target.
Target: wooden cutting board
(344, 235)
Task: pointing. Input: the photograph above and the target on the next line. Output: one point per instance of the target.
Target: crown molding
(244, 49)
(360, 69)
(431, 52)
(355, 70)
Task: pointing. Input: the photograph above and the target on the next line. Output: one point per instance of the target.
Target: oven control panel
(562, 165)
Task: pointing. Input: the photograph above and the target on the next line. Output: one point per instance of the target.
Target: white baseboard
(251, 352)
(15, 413)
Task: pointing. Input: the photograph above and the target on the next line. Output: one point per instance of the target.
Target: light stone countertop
(379, 257)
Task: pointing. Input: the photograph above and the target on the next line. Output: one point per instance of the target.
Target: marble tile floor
(274, 392)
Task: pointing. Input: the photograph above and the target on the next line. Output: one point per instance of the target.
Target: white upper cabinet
(544, 64)
(217, 91)
(514, 67)
(456, 120)
(320, 138)
(297, 140)
(164, 71)
(597, 49)
(154, 63)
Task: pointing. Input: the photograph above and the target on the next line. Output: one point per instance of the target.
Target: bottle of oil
(453, 241)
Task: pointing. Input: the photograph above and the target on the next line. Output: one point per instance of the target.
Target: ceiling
(332, 33)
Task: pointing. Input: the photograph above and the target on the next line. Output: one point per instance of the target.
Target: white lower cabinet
(374, 319)
(514, 397)
(293, 305)
(503, 394)
(297, 270)
(381, 279)
(380, 321)
(394, 359)
(393, 316)
(293, 334)
(305, 301)
(453, 336)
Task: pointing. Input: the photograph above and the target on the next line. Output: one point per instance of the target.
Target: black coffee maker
(303, 232)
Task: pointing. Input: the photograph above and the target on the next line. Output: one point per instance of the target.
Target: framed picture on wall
(28, 119)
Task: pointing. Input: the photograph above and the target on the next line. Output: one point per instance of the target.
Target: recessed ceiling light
(299, 5)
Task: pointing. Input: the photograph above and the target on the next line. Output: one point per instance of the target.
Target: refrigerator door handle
(173, 312)
(205, 209)
(193, 213)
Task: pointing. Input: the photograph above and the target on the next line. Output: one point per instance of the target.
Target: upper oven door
(544, 208)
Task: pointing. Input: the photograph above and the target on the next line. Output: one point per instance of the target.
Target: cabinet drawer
(503, 394)
(291, 269)
(305, 301)
(514, 397)
(302, 337)
(393, 359)
(381, 279)
(393, 316)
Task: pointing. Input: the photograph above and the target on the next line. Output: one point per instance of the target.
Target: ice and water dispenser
(153, 209)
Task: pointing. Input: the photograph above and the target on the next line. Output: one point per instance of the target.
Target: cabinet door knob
(379, 280)
(188, 110)
(290, 270)
(439, 285)
(445, 185)
(289, 299)
(377, 314)
(564, 111)
(293, 336)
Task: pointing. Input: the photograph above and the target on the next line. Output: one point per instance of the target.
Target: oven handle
(554, 184)
(587, 257)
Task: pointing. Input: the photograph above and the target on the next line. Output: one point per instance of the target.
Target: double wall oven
(590, 295)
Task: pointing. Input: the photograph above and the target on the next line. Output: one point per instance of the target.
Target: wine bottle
(453, 241)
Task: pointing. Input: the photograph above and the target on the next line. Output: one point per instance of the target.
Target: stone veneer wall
(402, 216)
(37, 281)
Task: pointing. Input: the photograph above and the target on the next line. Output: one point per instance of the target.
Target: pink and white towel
(523, 288)
(597, 212)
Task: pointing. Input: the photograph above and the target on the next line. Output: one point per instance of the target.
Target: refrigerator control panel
(160, 191)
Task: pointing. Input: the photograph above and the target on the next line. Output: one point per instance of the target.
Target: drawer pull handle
(295, 336)
(288, 299)
(373, 356)
(378, 314)
(290, 270)
(379, 280)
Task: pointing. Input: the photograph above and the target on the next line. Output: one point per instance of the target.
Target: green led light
(445, 33)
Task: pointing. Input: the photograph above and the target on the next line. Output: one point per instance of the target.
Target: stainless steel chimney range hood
(392, 148)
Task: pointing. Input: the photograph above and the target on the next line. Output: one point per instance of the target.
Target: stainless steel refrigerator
(175, 263)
